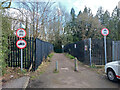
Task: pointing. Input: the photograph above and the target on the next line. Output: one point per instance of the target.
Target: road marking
(64, 69)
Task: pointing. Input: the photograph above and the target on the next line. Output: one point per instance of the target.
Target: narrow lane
(68, 78)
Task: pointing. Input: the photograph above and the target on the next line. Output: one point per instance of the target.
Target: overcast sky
(80, 4)
(93, 4)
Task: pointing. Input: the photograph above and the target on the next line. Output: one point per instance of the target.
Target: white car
(112, 70)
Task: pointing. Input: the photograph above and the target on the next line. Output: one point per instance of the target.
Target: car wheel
(111, 75)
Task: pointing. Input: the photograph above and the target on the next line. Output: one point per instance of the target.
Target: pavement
(17, 83)
(68, 78)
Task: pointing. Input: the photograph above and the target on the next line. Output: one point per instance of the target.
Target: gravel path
(68, 78)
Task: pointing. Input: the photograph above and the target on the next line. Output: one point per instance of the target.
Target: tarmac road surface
(68, 78)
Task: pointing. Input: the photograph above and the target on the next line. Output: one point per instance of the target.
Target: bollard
(76, 65)
(56, 65)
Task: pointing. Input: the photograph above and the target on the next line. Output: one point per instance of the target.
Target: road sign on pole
(22, 26)
(21, 60)
(21, 44)
(105, 32)
(21, 33)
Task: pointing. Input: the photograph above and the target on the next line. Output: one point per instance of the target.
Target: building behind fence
(33, 54)
(91, 51)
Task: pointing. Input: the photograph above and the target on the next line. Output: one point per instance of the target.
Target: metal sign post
(21, 44)
(113, 56)
(90, 52)
(21, 33)
(105, 32)
(21, 60)
(105, 49)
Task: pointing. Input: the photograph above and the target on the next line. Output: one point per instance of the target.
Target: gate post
(113, 51)
(90, 51)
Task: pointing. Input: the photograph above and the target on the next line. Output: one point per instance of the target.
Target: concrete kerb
(18, 83)
(26, 83)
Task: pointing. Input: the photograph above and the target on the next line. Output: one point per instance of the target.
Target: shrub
(70, 56)
(6, 31)
(50, 55)
(93, 66)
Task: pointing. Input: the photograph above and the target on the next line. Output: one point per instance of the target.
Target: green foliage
(110, 22)
(118, 30)
(79, 13)
(50, 55)
(85, 10)
(6, 31)
(33, 77)
(24, 71)
(100, 66)
(85, 25)
(93, 66)
(58, 45)
(96, 66)
(72, 14)
(70, 56)
(55, 71)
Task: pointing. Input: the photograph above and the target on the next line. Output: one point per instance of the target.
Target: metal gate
(91, 51)
(80, 50)
(115, 50)
(98, 53)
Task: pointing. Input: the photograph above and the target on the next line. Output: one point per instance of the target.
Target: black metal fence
(33, 53)
(116, 50)
(98, 53)
(93, 55)
(42, 51)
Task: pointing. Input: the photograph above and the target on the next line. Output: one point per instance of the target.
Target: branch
(8, 5)
(46, 8)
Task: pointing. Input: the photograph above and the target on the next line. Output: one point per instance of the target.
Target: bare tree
(6, 4)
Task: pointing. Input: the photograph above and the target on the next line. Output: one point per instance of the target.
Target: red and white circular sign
(21, 44)
(21, 33)
(104, 31)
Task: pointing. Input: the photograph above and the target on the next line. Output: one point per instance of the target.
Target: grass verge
(55, 71)
(13, 73)
(50, 55)
(70, 56)
(42, 68)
